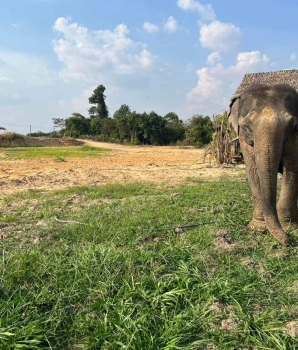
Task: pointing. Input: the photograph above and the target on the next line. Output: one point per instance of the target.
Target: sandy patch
(122, 164)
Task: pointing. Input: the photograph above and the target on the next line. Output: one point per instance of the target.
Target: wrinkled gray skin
(266, 120)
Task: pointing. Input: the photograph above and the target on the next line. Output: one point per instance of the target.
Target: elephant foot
(260, 226)
(281, 237)
(257, 225)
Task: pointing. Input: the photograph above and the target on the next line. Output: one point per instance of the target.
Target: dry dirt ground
(122, 164)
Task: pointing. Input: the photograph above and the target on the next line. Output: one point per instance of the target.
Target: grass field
(126, 276)
(50, 152)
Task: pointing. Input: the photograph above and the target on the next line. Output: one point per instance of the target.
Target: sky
(182, 56)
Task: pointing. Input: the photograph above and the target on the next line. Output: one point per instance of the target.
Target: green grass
(49, 152)
(127, 280)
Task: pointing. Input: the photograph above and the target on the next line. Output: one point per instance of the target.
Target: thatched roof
(288, 76)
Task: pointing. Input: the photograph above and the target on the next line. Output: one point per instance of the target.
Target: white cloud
(249, 60)
(217, 83)
(207, 85)
(206, 11)
(21, 74)
(29, 90)
(80, 104)
(5, 80)
(90, 55)
(27, 70)
(171, 25)
(16, 25)
(219, 36)
(213, 58)
(216, 35)
(150, 28)
(293, 57)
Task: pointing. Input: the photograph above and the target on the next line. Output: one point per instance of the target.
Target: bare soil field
(122, 164)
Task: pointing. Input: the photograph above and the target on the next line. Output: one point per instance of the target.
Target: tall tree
(109, 129)
(100, 110)
(174, 129)
(77, 125)
(157, 124)
(122, 116)
(59, 123)
(152, 126)
(199, 130)
(172, 117)
(134, 126)
(144, 123)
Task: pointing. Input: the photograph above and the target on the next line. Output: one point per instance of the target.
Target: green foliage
(128, 126)
(100, 110)
(147, 128)
(152, 126)
(126, 279)
(174, 129)
(52, 152)
(11, 139)
(122, 116)
(199, 130)
(59, 123)
(134, 126)
(77, 125)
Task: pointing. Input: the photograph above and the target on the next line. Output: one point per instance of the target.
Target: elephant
(265, 119)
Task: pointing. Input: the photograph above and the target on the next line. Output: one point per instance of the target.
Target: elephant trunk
(268, 152)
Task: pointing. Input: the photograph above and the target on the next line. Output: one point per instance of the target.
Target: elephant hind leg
(287, 204)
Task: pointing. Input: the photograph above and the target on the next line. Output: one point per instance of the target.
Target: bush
(10, 136)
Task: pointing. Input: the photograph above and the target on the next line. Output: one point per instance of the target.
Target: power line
(26, 126)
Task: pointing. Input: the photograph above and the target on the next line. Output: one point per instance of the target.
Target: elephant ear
(234, 112)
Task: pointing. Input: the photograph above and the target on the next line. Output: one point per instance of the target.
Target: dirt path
(122, 164)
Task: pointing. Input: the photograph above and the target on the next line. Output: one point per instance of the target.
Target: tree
(100, 109)
(199, 130)
(144, 124)
(122, 118)
(172, 117)
(152, 128)
(95, 126)
(134, 126)
(77, 125)
(109, 129)
(157, 124)
(174, 129)
(59, 123)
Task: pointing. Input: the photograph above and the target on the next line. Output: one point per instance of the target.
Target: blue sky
(185, 56)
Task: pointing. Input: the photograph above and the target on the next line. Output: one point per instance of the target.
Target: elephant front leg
(258, 222)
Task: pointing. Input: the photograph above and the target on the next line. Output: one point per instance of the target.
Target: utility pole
(30, 131)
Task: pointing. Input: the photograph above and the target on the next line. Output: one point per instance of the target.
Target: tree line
(127, 126)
